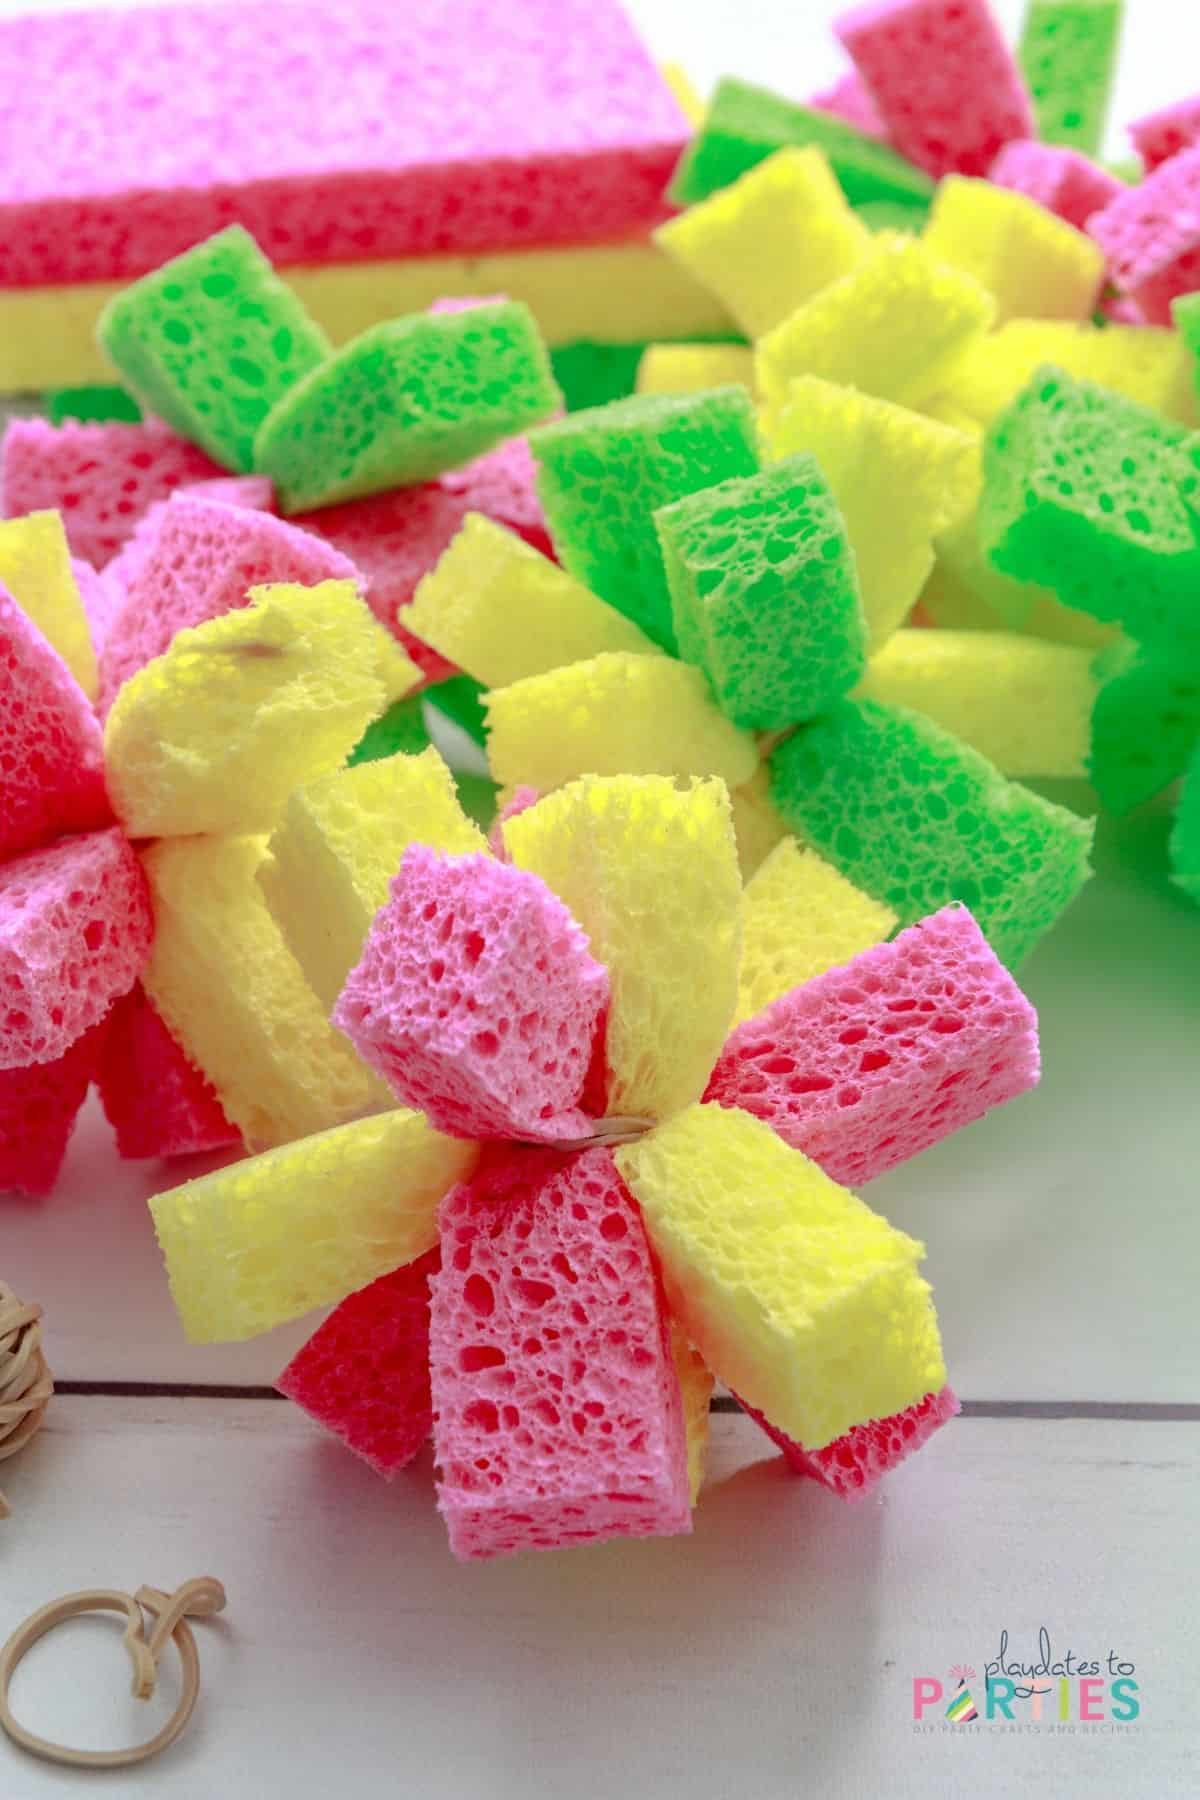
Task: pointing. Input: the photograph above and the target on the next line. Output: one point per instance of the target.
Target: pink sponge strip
(364, 1374)
(51, 754)
(851, 1465)
(944, 81)
(1062, 180)
(557, 1411)
(75, 929)
(477, 999)
(1163, 134)
(97, 599)
(334, 130)
(157, 1102)
(849, 99)
(38, 1108)
(870, 1063)
(1151, 236)
(101, 478)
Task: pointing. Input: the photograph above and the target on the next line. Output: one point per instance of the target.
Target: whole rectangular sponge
(38, 1108)
(156, 1100)
(1068, 53)
(333, 130)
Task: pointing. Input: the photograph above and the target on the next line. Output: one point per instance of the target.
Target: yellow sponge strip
(770, 240)
(696, 1385)
(502, 611)
(232, 993)
(269, 1239)
(337, 846)
(614, 715)
(1146, 363)
(757, 823)
(650, 871)
(687, 96)
(691, 368)
(1033, 263)
(798, 1296)
(35, 567)
(800, 917)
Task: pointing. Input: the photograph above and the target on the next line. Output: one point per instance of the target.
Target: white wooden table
(773, 1654)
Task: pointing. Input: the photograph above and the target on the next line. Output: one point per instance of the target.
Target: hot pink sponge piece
(1151, 236)
(870, 1063)
(334, 130)
(38, 1108)
(157, 1102)
(557, 1411)
(851, 1465)
(51, 753)
(477, 999)
(364, 1374)
(944, 82)
(75, 930)
(849, 99)
(1163, 134)
(1064, 181)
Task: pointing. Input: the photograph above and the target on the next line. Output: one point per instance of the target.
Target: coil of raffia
(26, 1384)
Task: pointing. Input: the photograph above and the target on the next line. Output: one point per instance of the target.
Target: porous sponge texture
(557, 1409)
(1067, 53)
(1145, 722)
(476, 999)
(38, 1108)
(51, 756)
(617, 714)
(336, 847)
(852, 1465)
(75, 929)
(1150, 236)
(157, 1102)
(35, 567)
(799, 918)
(267, 1240)
(604, 473)
(405, 401)
(233, 995)
(797, 1295)
(943, 80)
(1144, 362)
(364, 1373)
(649, 870)
(1185, 835)
(1064, 181)
(869, 1064)
(764, 593)
(770, 240)
(917, 819)
(1035, 265)
(499, 609)
(690, 368)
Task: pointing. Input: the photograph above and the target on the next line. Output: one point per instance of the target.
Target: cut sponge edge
(157, 1102)
(854, 1463)
(38, 1108)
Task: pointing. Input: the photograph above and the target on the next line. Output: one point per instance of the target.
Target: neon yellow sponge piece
(650, 871)
(771, 239)
(900, 479)
(696, 1383)
(213, 735)
(1034, 264)
(795, 1293)
(502, 611)
(267, 1240)
(337, 846)
(799, 918)
(691, 368)
(896, 326)
(35, 567)
(613, 715)
(1146, 363)
(234, 996)
(757, 824)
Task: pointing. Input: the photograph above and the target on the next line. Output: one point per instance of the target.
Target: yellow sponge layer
(35, 567)
(691, 368)
(758, 825)
(770, 240)
(696, 1385)
(337, 846)
(650, 871)
(687, 97)
(503, 611)
(233, 994)
(795, 1293)
(617, 714)
(899, 478)
(1146, 363)
(1024, 704)
(896, 326)
(1033, 263)
(799, 918)
(269, 1239)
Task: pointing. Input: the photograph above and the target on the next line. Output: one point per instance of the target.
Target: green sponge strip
(92, 405)
(1185, 834)
(1145, 722)
(460, 699)
(1068, 55)
(400, 730)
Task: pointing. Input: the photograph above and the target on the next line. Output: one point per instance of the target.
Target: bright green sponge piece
(211, 341)
(916, 819)
(1068, 54)
(406, 401)
(1145, 722)
(765, 593)
(604, 473)
(1185, 834)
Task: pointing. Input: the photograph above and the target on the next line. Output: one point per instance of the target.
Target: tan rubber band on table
(26, 1384)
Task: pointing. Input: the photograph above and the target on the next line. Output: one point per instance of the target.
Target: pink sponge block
(75, 929)
(1163, 134)
(943, 80)
(1151, 236)
(38, 1108)
(1062, 180)
(157, 1102)
(477, 999)
(870, 1063)
(255, 492)
(334, 130)
(557, 1411)
(851, 1465)
(364, 1374)
(101, 478)
(849, 99)
(51, 754)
